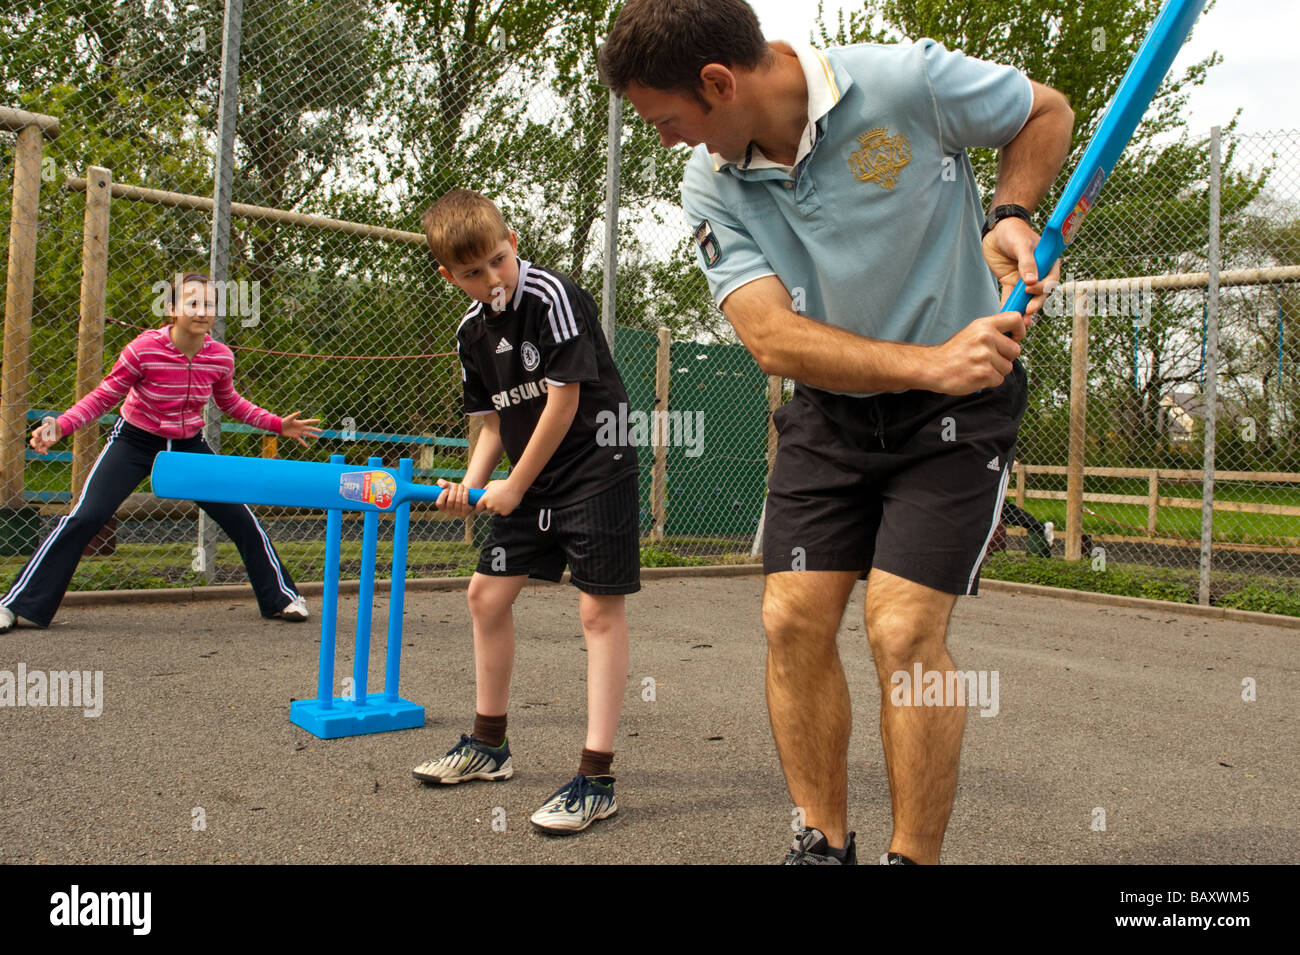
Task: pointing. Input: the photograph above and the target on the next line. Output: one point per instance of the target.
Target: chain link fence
(353, 116)
(1140, 273)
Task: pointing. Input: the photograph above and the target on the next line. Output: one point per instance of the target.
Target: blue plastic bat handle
(1045, 255)
(474, 494)
(1123, 113)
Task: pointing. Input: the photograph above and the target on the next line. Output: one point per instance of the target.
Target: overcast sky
(1257, 39)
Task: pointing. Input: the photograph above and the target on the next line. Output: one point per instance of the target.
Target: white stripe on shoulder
(552, 291)
(543, 293)
(560, 295)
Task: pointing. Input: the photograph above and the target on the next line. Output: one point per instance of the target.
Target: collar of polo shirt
(824, 90)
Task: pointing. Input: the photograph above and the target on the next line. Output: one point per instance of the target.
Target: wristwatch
(998, 213)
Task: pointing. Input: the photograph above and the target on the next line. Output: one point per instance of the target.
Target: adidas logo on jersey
(504, 347)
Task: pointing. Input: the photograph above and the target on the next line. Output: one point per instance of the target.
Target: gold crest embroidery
(881, 157)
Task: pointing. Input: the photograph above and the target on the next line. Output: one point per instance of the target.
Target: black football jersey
(549, 333)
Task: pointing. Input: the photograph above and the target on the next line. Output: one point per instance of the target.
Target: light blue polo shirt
(877, 229)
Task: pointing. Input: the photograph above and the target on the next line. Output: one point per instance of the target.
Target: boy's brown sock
(490, 730)
(595, 763)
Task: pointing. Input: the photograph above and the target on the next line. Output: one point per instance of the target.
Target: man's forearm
(828, 357)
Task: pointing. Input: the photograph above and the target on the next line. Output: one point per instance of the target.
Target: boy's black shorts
(598, 538)
(911, 483)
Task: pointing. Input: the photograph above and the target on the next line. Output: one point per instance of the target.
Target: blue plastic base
(347, 718)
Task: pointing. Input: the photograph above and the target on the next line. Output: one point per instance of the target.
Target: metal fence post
(219, 252)
(1210, 393)
(1078, 427)
(612, 162)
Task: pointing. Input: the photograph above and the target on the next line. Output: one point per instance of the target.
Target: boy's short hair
(663, 44)
(462, 225)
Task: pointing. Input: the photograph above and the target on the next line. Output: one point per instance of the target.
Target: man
(838, 223)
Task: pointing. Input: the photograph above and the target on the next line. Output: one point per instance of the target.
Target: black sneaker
(895, 858)
(811, 848)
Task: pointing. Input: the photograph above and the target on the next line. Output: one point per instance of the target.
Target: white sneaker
(576, 805)
(468, 759)
(296, 612)
(7, 619)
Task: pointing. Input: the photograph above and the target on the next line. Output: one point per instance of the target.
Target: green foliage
(1128, 581)
(1262, 600)
(656, 556)
(1134, 580)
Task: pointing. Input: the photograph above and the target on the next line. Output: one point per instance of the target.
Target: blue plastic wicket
(397, 596)
(359, 712)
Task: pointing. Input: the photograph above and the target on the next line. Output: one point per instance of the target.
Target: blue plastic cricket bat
(1144, 76)
(236, 480)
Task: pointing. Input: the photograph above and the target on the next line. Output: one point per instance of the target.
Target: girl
(167, 375)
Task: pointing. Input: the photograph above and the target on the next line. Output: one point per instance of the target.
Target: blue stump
(329, 716)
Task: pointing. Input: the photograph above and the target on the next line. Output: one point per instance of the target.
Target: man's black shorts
(911, 483)
(598, 538)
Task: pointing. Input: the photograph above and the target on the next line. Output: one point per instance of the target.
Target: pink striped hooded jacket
(165, 391)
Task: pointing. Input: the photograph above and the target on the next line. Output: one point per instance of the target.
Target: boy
(535, 366)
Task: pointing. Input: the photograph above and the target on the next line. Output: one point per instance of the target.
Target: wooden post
(1021, 484)
(659, 476)
(270, 446)
(475, 427)
(1153, 501)
(18, 313)
(1078, 427)
(90, 330)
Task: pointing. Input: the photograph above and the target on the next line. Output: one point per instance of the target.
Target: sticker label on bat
(368, 487)
(1076, 217)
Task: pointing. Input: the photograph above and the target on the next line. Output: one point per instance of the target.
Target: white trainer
(576, 805)
(296, 612)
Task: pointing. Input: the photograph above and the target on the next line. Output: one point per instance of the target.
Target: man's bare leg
(807, 695)
(907, 623)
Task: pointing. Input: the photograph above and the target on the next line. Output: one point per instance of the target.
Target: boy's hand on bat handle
(500, 497)
(1009, 252)
(291, 426)
(454, 500)
(977, 357)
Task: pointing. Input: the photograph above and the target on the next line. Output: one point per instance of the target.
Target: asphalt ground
(1137, 713)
